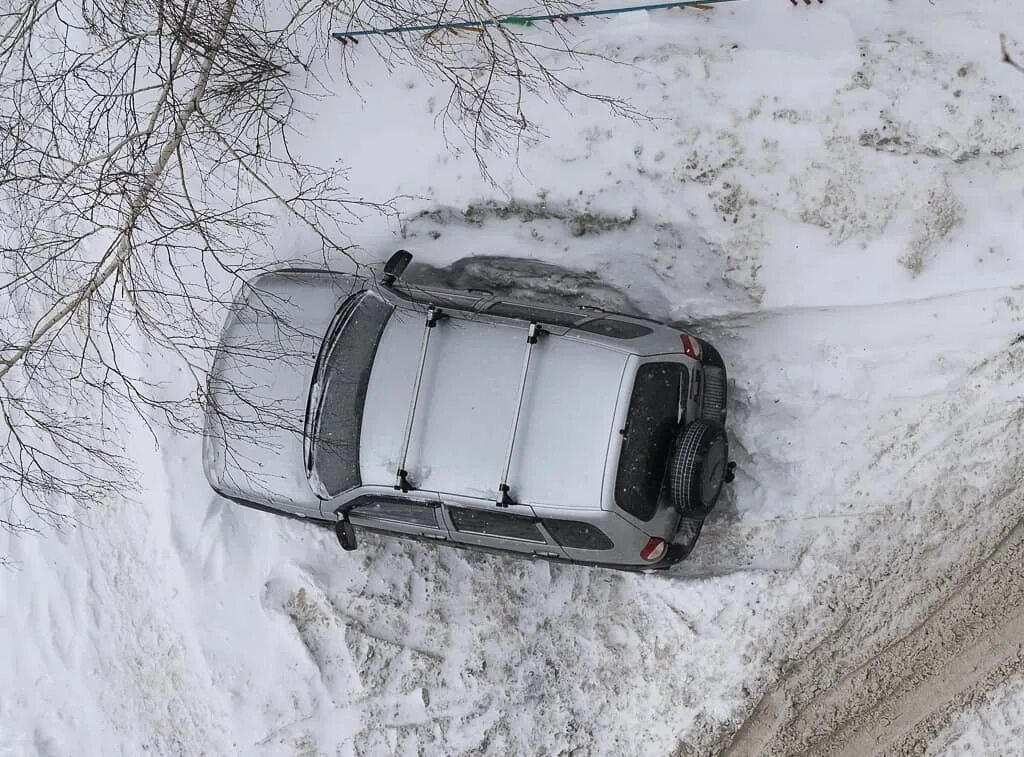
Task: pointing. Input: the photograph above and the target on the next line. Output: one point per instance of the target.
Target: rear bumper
(710, 356)
(716, 384)
(687, 534)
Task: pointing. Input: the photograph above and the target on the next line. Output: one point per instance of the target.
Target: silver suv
(464, 418)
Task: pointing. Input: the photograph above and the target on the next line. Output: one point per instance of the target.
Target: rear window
(615, 328)
(534, 313)
(575, 534)
(397, 510)
(651, 426)
(490, 523)
(340, 390)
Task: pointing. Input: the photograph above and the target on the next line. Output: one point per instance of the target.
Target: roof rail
(434, 314)
(504, 499)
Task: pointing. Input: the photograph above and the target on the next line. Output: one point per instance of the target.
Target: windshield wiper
(312, 418)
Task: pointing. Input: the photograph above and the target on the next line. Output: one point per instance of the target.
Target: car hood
(259, 387)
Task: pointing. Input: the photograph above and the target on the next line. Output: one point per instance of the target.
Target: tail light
(691, 347)
(655, 550)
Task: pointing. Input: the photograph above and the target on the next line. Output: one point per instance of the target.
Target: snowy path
(897, 701)
(829, 404)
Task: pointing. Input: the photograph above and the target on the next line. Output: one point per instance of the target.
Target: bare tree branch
(1007, 58)
(118, 253)
(145, 149)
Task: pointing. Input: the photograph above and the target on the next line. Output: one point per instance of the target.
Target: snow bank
(831, 194)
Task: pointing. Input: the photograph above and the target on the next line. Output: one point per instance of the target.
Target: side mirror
(395, 267)
(346, 534)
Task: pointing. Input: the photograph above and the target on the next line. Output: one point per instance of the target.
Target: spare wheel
(697, 468)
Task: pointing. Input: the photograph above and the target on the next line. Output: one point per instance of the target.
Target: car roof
(470, 388)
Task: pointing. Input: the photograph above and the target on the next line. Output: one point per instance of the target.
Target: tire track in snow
(900, 699)
(776, 544)
(848, 694)
(743, 317)
(770, 532)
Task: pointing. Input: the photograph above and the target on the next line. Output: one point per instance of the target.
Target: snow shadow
(526, 280)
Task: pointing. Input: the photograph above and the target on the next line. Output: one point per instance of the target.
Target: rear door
(514, 529)
(660, 402)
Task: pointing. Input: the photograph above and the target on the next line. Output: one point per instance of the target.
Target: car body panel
(665, 517)
(568, 410)
(544, 547)
(567, 444)
(362, 516)
(259, 387)
(627, 539)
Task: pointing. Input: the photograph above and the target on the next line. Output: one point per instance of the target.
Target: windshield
(338, 392)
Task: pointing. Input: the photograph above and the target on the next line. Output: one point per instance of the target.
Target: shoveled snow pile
(832, 195)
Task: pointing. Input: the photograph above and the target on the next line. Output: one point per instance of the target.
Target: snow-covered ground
(833, 195)
(994, 726)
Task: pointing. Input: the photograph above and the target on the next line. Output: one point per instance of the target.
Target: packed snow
(832, 195)
(994, 726)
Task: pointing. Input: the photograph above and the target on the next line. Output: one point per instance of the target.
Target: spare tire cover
(697, 467)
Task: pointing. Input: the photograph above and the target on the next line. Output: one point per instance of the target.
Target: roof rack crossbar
(434, 314)
(504, 499)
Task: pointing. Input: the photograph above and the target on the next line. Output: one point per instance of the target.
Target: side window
(651, 427)
(443, 298)
(535, 313)
(575, 534)
(491, 523)
(396, 510)
(615, 328)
